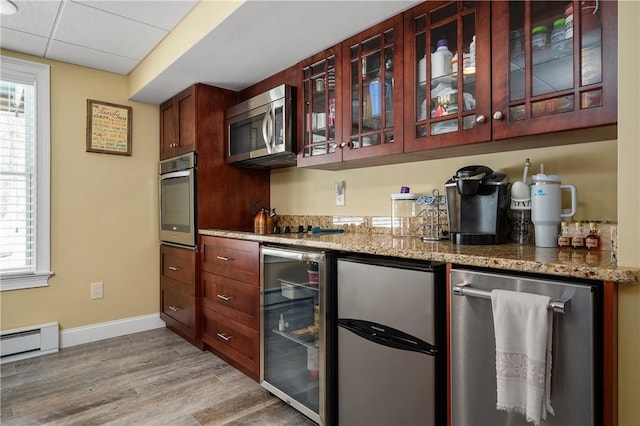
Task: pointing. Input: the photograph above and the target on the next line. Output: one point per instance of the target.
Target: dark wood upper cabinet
(372, 98)
(319, 103)
(388, 95)
(447, 74)
(178, 124)
(544, 83)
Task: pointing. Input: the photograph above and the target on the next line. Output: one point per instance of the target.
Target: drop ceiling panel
(80, 55)
(85, 26)
(33, 17)
(23, 42)
(162, 15)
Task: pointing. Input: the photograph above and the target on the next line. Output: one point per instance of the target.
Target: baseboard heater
(28, 342)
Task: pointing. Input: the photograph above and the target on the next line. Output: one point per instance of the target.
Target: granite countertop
(597, 265)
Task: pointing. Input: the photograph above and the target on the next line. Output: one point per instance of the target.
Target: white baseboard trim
(94, 332)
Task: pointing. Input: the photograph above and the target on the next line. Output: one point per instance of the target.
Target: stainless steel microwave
(261, 130)
(177, 187)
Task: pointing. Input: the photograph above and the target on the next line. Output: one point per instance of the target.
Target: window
(24, 174)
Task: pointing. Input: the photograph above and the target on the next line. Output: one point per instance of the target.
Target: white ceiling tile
(83, 56)
(22, 42)
(89, 27)
(34, 17)
(164, 14)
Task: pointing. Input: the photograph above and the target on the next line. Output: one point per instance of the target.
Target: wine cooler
(295, 317)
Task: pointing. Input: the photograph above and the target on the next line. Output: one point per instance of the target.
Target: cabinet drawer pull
(223, 297)
(174, 268)
(224, 336)
(225, 258)
(174, 308)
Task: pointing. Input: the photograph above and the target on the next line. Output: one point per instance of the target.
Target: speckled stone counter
(508, 257)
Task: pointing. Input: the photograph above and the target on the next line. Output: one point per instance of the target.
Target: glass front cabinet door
(554, 66)
(448, 89)
(372, 99)
(321, 132)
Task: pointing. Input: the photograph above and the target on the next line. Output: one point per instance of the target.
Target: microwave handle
(267, 129)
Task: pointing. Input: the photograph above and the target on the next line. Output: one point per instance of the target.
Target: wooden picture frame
(109, 128)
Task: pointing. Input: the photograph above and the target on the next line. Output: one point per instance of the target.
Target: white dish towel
(523, 331)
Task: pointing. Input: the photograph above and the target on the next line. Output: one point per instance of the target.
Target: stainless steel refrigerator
(391, 359)
(294, 338)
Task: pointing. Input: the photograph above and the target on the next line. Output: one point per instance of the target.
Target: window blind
(18, 197)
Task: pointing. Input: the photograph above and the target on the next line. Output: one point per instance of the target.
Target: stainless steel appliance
(391, 360)
(477, 200)
(177, 193)
(294, 339)
(261, 130)
(576, 368)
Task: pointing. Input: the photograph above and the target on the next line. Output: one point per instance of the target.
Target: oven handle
(175, 174)
(560, 305)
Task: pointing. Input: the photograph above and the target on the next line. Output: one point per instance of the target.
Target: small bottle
(578, 237)
(564, 239)
(281, 323)
(441, 60)
(592, 242)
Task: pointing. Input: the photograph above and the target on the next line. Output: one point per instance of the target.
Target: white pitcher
(546, 208)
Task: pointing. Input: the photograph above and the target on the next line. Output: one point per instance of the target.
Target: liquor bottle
(578, 237)
(592, 242)
(564, 239)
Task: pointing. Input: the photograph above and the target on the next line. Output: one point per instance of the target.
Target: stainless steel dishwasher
(576, 376)
(390, 342)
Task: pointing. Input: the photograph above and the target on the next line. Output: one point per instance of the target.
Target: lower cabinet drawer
(234, 299)
(237, 342)
(179, 306)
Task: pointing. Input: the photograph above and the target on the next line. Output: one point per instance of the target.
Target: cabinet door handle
(223, 297)
(480, 118)
(497, 115)
(224, 336)
(342, 144)
(174, 268)
(225, 258)
(174, 308)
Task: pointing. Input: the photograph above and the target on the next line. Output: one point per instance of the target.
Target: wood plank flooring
(149, 378)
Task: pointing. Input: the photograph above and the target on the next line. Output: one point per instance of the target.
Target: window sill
(20, 282)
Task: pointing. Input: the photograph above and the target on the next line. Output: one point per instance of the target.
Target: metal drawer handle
(223, 297)
(225, 258)
(174, 308)
(174, 268)
(224, 336)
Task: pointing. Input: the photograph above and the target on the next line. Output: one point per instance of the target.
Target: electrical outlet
(97, 290)
(340, 192)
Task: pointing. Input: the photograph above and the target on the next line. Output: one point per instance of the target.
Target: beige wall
(629, 209)
(104, 217)
(591, 167)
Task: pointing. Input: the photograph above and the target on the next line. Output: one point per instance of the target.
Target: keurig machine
(477, 200)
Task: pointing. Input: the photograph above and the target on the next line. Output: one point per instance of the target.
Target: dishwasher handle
(387, 336)
(560, 305)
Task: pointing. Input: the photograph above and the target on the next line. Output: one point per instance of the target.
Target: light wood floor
(148, 378)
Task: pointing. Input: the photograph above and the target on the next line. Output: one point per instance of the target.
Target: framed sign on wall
(108, 128)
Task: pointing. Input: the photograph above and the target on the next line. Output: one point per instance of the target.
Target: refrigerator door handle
(387, 336)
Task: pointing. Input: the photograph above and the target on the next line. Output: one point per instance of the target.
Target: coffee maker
(477, 201)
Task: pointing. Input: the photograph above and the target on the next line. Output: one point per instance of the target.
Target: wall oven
(177, 189)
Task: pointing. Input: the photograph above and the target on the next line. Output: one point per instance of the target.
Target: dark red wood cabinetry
(178, 307)
(230, 281)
